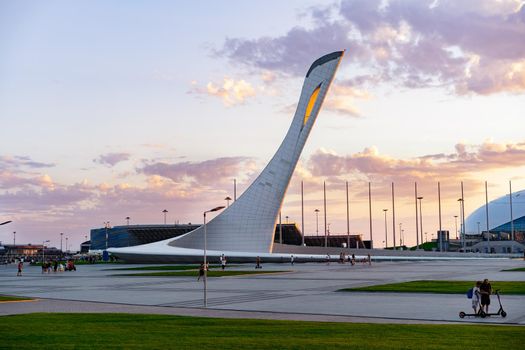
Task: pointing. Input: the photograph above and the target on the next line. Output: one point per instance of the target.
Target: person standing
(258, 262)
(485, 290)
(223, 262)
(20, 268)
(476, 297)
(292, 259)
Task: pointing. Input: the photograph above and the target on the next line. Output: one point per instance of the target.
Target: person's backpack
(470, 293)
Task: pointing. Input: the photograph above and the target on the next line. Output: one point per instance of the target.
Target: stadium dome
(499, 215)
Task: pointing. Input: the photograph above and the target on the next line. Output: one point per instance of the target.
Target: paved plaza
(306, 292)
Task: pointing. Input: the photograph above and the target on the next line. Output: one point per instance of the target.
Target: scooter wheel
(461, 314)
(503, 313)
(483, 314)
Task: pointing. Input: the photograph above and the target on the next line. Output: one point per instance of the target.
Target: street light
(43, 250)
(420, 218)
(462, 229)
(67, 245)
(286, 217)
(317, 221)
(456, 221)
(386, 230)
(106, 225)
(61, 235)
(14, 237)
(127, 220)
(400, 236)
(205, 246)
(228, 199)
(165, 212)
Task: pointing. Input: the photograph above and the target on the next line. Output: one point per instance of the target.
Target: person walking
(20, 268)
(258, 262)
(201, 272)
(292, 259)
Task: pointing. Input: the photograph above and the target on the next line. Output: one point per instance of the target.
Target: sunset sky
(125, 108)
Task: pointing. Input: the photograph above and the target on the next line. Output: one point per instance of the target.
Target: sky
(112, 109)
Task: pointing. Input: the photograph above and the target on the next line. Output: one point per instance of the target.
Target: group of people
(55, 265)
(481, 296)
(343, 258)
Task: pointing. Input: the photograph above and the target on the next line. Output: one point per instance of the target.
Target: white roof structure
(499, 213)
(248, 224)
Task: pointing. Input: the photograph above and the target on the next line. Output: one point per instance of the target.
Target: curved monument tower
(248, 224)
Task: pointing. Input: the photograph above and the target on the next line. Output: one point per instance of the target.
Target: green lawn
(9, 298)
(129, 331)
(516, 269)
(441, 287)
(196, 273)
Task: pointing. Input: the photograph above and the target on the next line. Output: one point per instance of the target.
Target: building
(133, 235)
(247, 227)
(504, 235)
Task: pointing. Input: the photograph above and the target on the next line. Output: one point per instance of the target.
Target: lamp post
(400, 236)
(456, 221)
(426, 239)
(420, 218)
(205, 247)
(317, 221)
(462, 229)
(14, 237)
(61, 236)
(386, 230)
(286, 217)
(227, 199)
(127, 220)
(165, 212)
(106, 225)
(44, 250)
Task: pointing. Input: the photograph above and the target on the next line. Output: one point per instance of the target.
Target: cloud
(111, 159)
(464, 163)
(342, 99)
(12, 162)
(230, 91)
(206, 173)
(465, 46)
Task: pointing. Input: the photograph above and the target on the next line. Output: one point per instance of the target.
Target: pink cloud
(112, 159)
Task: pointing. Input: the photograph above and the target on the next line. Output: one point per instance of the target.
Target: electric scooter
(480, 313)
(500, 312)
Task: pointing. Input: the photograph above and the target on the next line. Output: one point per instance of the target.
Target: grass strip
(440, 287)
(516, 269)
(195, 273)
(10, 298)
(134, 331)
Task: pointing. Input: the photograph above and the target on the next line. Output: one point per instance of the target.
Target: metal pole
(205, 269)
(280, 229)
(61, 235)
(487, 214)
(370, 213)
(14, 237)
(417, 222)
(347, 217)
(456, 225)
(440, 231)
(386, 232)
(317, 221)
(511, 217)
(463, 217)
(393, 217)
(302, 213)
(325, 228)
(420, 218)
